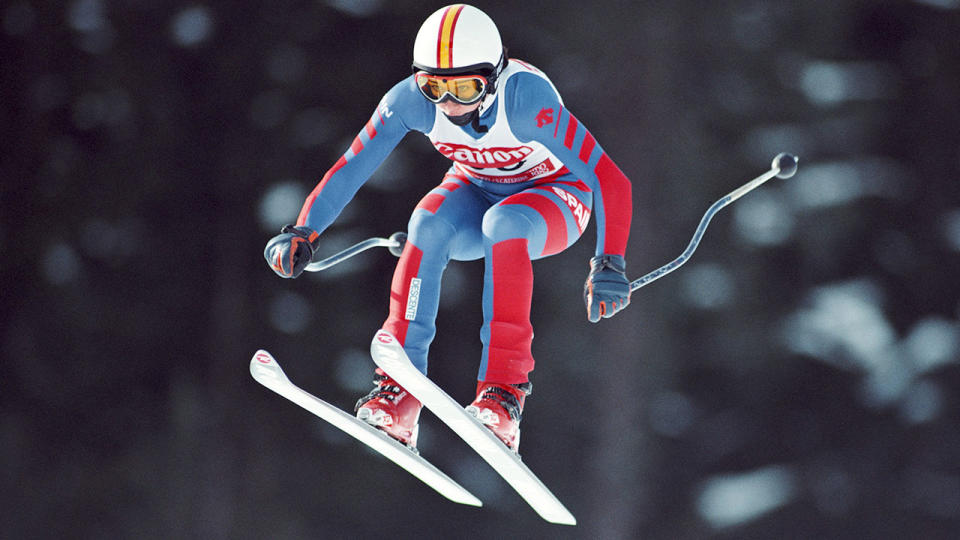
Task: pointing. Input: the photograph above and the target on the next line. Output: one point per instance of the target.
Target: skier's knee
(426, 229)
(506, 222)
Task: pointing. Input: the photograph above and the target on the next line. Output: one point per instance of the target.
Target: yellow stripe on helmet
(445, 40)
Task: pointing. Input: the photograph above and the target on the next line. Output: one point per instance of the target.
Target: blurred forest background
(798, 378)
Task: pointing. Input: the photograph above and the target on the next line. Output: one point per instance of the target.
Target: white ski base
(390, 357)
(267, 372)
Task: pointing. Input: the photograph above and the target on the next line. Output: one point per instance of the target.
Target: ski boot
(499, 407)
(391, 409)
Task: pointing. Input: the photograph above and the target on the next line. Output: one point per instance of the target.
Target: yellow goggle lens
(464, 89)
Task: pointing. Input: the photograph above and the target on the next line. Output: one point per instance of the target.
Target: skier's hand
(607, 289)
(291, 251)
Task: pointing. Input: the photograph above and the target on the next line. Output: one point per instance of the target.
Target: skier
(525, 175)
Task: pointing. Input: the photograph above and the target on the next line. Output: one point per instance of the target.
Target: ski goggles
(464, 89)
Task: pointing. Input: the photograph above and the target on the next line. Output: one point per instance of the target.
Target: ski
(388, 354)
(267, 371)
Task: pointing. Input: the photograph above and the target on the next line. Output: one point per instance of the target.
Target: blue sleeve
(536, 114)
(400, 111)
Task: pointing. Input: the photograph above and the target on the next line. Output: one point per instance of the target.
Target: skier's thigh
(449, 217)
(550, 216)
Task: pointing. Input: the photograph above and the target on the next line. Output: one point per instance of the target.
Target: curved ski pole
(395, 243)
(784, 166)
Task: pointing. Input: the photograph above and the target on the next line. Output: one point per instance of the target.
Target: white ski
(390, 357)
(267, 372)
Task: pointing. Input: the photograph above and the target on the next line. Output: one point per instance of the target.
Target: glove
(607, 289)
(291, 251)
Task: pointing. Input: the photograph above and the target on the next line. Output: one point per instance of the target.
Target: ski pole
(395, 243)
(784, 166)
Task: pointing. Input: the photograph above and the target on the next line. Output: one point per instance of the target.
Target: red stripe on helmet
(450, 16)
(453, 28)
(440, 33)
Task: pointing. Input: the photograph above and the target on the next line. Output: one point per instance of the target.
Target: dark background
(798, 378)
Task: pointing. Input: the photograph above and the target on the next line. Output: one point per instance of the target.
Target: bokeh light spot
(192, 26)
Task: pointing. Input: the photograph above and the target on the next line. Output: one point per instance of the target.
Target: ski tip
(264, 368)
(382, 337)
(386, 351)
(468, 499)
(263, 357)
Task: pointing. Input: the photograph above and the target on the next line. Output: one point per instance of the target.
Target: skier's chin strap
(463, 119)
(472, 118)
(476, 122)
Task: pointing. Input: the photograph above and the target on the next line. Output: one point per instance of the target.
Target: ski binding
(389, 355)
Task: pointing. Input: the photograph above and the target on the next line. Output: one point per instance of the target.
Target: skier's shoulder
(528, 93)
(404, 103)
(516, 65)
(525, 86)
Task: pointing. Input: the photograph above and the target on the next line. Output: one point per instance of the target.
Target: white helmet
(459, 39)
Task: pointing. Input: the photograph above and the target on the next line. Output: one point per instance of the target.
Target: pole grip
(395, 243)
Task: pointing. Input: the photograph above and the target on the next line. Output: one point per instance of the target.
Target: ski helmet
(459, 39)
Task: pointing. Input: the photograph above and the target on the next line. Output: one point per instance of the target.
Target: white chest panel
(498, 156)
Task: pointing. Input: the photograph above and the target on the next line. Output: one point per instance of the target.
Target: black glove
(607, 289)
(291, 251)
